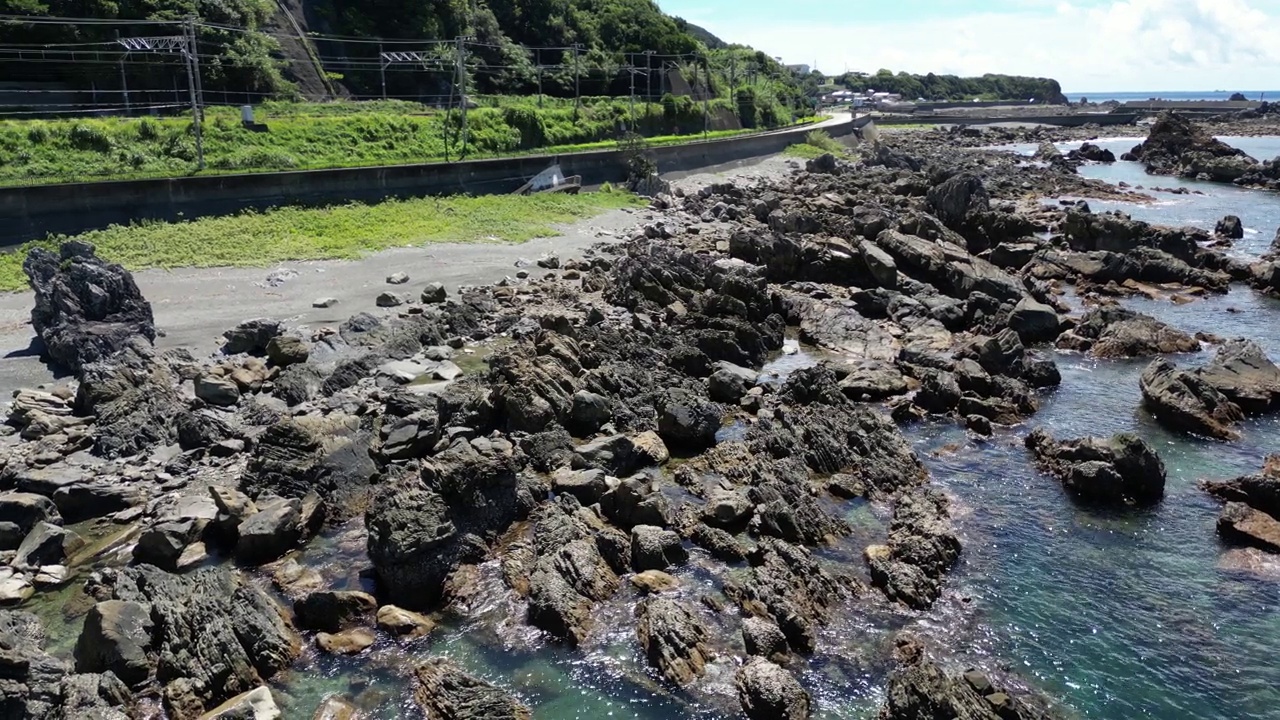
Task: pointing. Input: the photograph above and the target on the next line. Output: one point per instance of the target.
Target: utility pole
(462, 89)
(577, 81)
(193, 71)
(537, 59)
(382, 69)
(706, 98)
(631, 70)
(648, 93)
(124, 80)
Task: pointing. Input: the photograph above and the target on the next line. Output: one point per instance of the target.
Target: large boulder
(206, 636)
(35, 685)
(919, 689)
(769, 692)
(673, 639)
(445, 691)
(1120, 470)
(1177, 146)
(1185, 401)
(1252, 507)
(1113, 331)
(86, 309)
(1243, 373)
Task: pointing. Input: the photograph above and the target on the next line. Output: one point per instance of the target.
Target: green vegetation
(309, 136)
(951, 87)
(337, 232)
(816, 144)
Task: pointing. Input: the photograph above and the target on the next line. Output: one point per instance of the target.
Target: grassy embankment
(337, 232)
(816, 143)
(311, 136)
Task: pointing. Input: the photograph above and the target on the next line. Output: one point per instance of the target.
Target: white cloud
(1125, 45)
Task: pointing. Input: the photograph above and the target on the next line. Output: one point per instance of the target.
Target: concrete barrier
(35, 211)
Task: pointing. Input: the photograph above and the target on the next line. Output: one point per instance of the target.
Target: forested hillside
(951, 87)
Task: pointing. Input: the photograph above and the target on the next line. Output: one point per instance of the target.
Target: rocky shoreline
(574, 439)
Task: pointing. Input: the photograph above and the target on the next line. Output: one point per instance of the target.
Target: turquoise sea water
(1099, 97)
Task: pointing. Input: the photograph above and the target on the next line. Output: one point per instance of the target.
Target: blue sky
(1088, 45)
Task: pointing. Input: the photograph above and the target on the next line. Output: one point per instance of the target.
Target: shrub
(84, 136)
(821, 140)
(38, 133)
(148, 129)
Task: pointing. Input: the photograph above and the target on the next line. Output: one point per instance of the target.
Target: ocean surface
(1118, 615)
(1100, 97)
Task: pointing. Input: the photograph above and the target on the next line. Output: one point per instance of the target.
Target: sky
(1087, 45)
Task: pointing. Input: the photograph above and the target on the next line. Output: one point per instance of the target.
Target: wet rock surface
(1121, 470)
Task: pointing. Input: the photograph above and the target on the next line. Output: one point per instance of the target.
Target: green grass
(816, 144)
(314, 135)
(336, 232)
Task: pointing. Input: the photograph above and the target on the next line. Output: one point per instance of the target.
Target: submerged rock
(1122, 469)
(446, 691)
(920, 689)
(35, 685)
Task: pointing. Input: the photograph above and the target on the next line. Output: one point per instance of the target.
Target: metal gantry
(185, 46)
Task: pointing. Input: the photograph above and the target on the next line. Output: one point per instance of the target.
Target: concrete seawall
(33, 212)
(1107, 119)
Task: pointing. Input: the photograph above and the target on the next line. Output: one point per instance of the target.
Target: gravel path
(193, 306)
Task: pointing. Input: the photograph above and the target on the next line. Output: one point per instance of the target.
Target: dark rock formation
(86, 309)
(35, 685)
(919, 689)
(447, 692)
(1183, 400)
(1243, 373)
(1176, 146)
(673, 639)
(133, 399)
(1229, 227)
(787, 585)
(1122, 469)
(922, 547)
(203, 637)
(1252, 507)
(1113, 331)
(768, 692)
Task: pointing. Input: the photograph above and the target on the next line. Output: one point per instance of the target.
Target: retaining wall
(33, 212)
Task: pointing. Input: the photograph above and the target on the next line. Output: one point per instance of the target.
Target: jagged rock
(719, 543)
(86, 310)
(251, 336)
(1176, 146)
(276, 528)
(653, 548)
(922, 547)
(1184, 401)
(673, 639)
(35, 685)
(768, 692)
(785, 583)
(1094, 153)
(447, 692)
(1123, 469)
(919, 689)
(1116, 332)
(1229, 227)
(214, 634)
(404, 624)
(257, 704)
(299, 456)
(133, 399)
(333, 610)
(47, 544)
(763, 637)
(421, 529)
(1243, 373)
